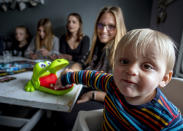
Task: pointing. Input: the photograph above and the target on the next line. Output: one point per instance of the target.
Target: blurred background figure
(45, 43)
(1, 46)
(21, 41)
(74, 44)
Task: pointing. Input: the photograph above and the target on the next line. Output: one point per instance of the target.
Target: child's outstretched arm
(93, 79)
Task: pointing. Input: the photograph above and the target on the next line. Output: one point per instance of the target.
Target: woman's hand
(33, 56)
(92, 95)
(44, 52)
(85, 97)
(54, 56)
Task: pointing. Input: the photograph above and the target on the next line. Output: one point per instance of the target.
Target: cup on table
(7, 56)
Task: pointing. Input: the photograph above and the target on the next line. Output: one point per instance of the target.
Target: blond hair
(121, 30)
(47, 42)
(141, 39)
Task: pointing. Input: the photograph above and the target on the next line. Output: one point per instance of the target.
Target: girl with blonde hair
(109, 29)
(115, 29)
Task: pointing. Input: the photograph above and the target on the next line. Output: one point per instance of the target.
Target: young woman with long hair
(45, 43)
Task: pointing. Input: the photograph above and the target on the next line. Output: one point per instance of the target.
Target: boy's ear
(166, 79)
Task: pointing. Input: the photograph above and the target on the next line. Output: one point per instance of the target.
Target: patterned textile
(158, 114)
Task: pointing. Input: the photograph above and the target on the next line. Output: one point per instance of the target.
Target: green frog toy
(44, 77)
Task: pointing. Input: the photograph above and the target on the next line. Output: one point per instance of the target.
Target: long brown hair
(121, 31)
(47, 42)
(80, 32)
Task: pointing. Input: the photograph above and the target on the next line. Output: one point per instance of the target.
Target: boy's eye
(148, 66)
(124, 61)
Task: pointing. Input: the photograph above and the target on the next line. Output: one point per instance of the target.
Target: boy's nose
(133, 70)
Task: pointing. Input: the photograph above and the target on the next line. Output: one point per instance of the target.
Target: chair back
(174, 92)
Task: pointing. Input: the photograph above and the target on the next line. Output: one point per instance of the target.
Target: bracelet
(93, 95)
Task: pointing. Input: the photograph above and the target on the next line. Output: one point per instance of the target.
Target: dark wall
(57, 11)
(136, 15)
(173, 25)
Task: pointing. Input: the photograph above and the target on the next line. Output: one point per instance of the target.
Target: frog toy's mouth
(49, 82)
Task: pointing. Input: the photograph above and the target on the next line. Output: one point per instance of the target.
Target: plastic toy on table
(44, 77)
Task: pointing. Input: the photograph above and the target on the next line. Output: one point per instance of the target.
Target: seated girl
(21, 41)
(45, 43)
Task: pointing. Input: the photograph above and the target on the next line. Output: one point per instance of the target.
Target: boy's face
(137, 76)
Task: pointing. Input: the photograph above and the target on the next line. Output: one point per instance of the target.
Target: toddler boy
(144, 61)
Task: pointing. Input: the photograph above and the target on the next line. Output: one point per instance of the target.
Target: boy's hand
(58, 83)
(65, 71)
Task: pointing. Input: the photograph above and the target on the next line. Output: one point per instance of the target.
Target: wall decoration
(179, 63)
(20, 5)
(162, 14)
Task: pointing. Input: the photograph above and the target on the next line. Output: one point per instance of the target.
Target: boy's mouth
(128, 81)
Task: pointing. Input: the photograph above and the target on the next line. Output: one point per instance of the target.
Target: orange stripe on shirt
(149, 118)
(158, 117)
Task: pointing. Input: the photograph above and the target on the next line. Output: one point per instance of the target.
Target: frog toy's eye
(42, 65)
(48, 62)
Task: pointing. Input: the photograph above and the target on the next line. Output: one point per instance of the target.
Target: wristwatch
(93, 95)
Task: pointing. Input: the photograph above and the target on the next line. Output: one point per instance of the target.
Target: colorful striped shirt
(158, 114)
